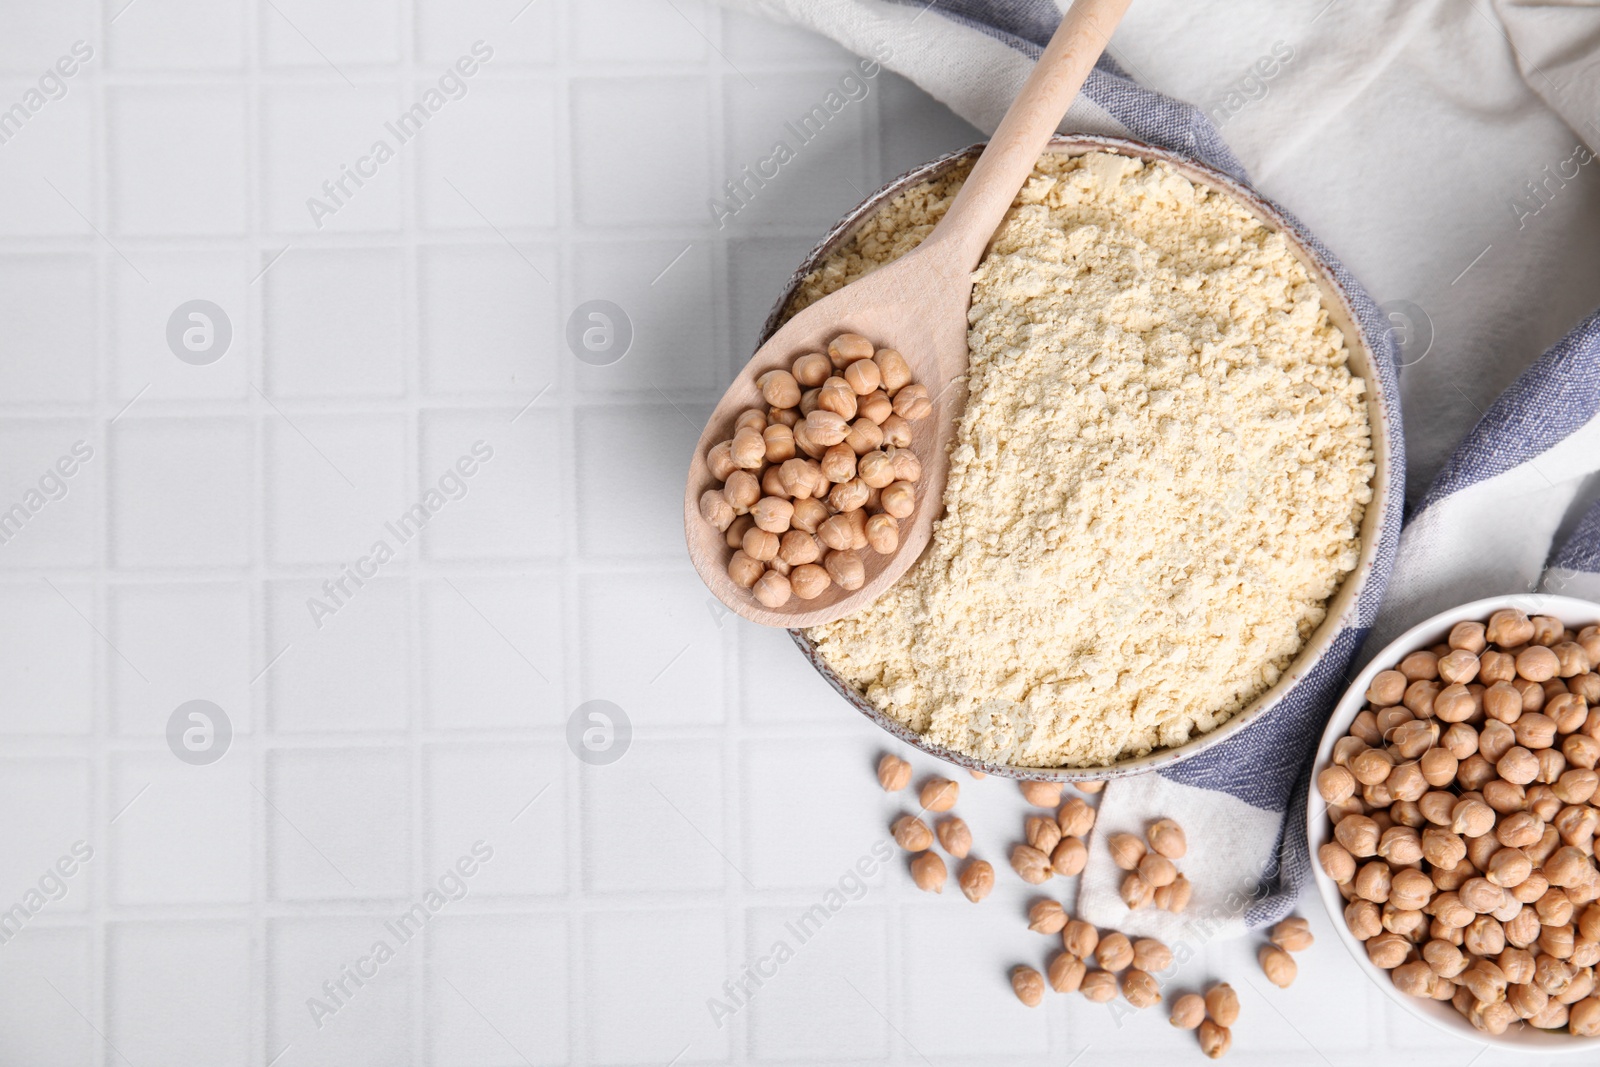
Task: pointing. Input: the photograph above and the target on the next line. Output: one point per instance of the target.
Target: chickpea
(1099, 986)
(848, 497)
(1571, 659)
(1518, 765)
(847, 348)
(1338, 863)
(1080, 938)
(1413, 739)
(772, 514)
(1460, 740)
(863, 376)
(1400, 845)
(907, 467)
(896, 432)
(735, 532)
(809, 581)
(779, 388)
(826, 427)
(865, 436)
(1453, 703)
(1114, 952)
(839, 463)
(1066, 973)
(1547, 630)
(1335, 784)
(875, 406)
(744, 570)
(1362, 917)
(779, 440)
(1419, 666)
(772, 589)
(899, 499)
(839, 398)
(883, 534)
(1415, 979)
(809, 515)
(1438, 766)
(1373, 882)
(1459, 667)
(1468, 636)
(893, 369)
(741, 491)
(1568, 711)
(1495, 666)
(1537, 663)
(1578, 785)
(749, 448)
(811, 369)
(1509, 627)
(1387, 688)
(911, 402)
(1387, 950)
(761, 544)
(716, 510)
(1420, 696)
(846, 569)
(803, 440)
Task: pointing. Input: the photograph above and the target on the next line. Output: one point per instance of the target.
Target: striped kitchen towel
(1533, 447)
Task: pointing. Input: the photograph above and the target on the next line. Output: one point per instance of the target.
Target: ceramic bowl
(1342, 608)
(1576, 614)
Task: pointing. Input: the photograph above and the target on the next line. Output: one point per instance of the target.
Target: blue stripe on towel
(1558, 394)
(1581, 551)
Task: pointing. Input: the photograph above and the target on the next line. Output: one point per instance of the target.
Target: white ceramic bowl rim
(1345, 605)
(1573, 612)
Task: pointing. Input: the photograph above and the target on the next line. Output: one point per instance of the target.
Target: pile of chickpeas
(824, 471)
(1464, 828)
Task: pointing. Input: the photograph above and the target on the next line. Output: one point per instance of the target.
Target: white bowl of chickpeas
(1452, 816)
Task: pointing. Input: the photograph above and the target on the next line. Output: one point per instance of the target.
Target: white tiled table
(429, 710)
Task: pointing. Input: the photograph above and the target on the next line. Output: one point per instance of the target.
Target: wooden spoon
(918, 305)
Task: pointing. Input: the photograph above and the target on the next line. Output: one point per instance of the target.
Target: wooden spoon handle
(1084, 33)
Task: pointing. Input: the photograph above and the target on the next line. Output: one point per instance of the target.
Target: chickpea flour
(1157, 484)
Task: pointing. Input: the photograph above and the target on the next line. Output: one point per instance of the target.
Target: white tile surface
(182, 835)
(429, 709)
(179, 161)
(182, 992)
(188, 641)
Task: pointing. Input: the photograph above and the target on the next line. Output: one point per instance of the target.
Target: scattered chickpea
(1151, 956)
(1166, 837)
(1140, 989)
(976, 880)
(1222, 1004)
(1126, 850)
(939, 794)
(1047, 917)
(1031, 865)
(1028, 984)
(1041, 794)
(1066, 972)
(928, 871)
(1136, 893)
(1278, 965)
(1042, 832)
(1076, 817)
(1099, 986)
(894, 773)
(1188, 1011)
(1215, 1039)
(955, 836)
(912, 834)
(1293, 934)
(1114, 951)
(1069, 857)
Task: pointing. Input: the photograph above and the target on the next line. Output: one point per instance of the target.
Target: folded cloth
(1244, 799)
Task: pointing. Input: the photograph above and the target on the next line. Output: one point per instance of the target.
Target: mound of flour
(1156, 486)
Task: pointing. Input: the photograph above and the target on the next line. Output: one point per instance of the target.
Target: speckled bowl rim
(1345, 604)
(1571, 611)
